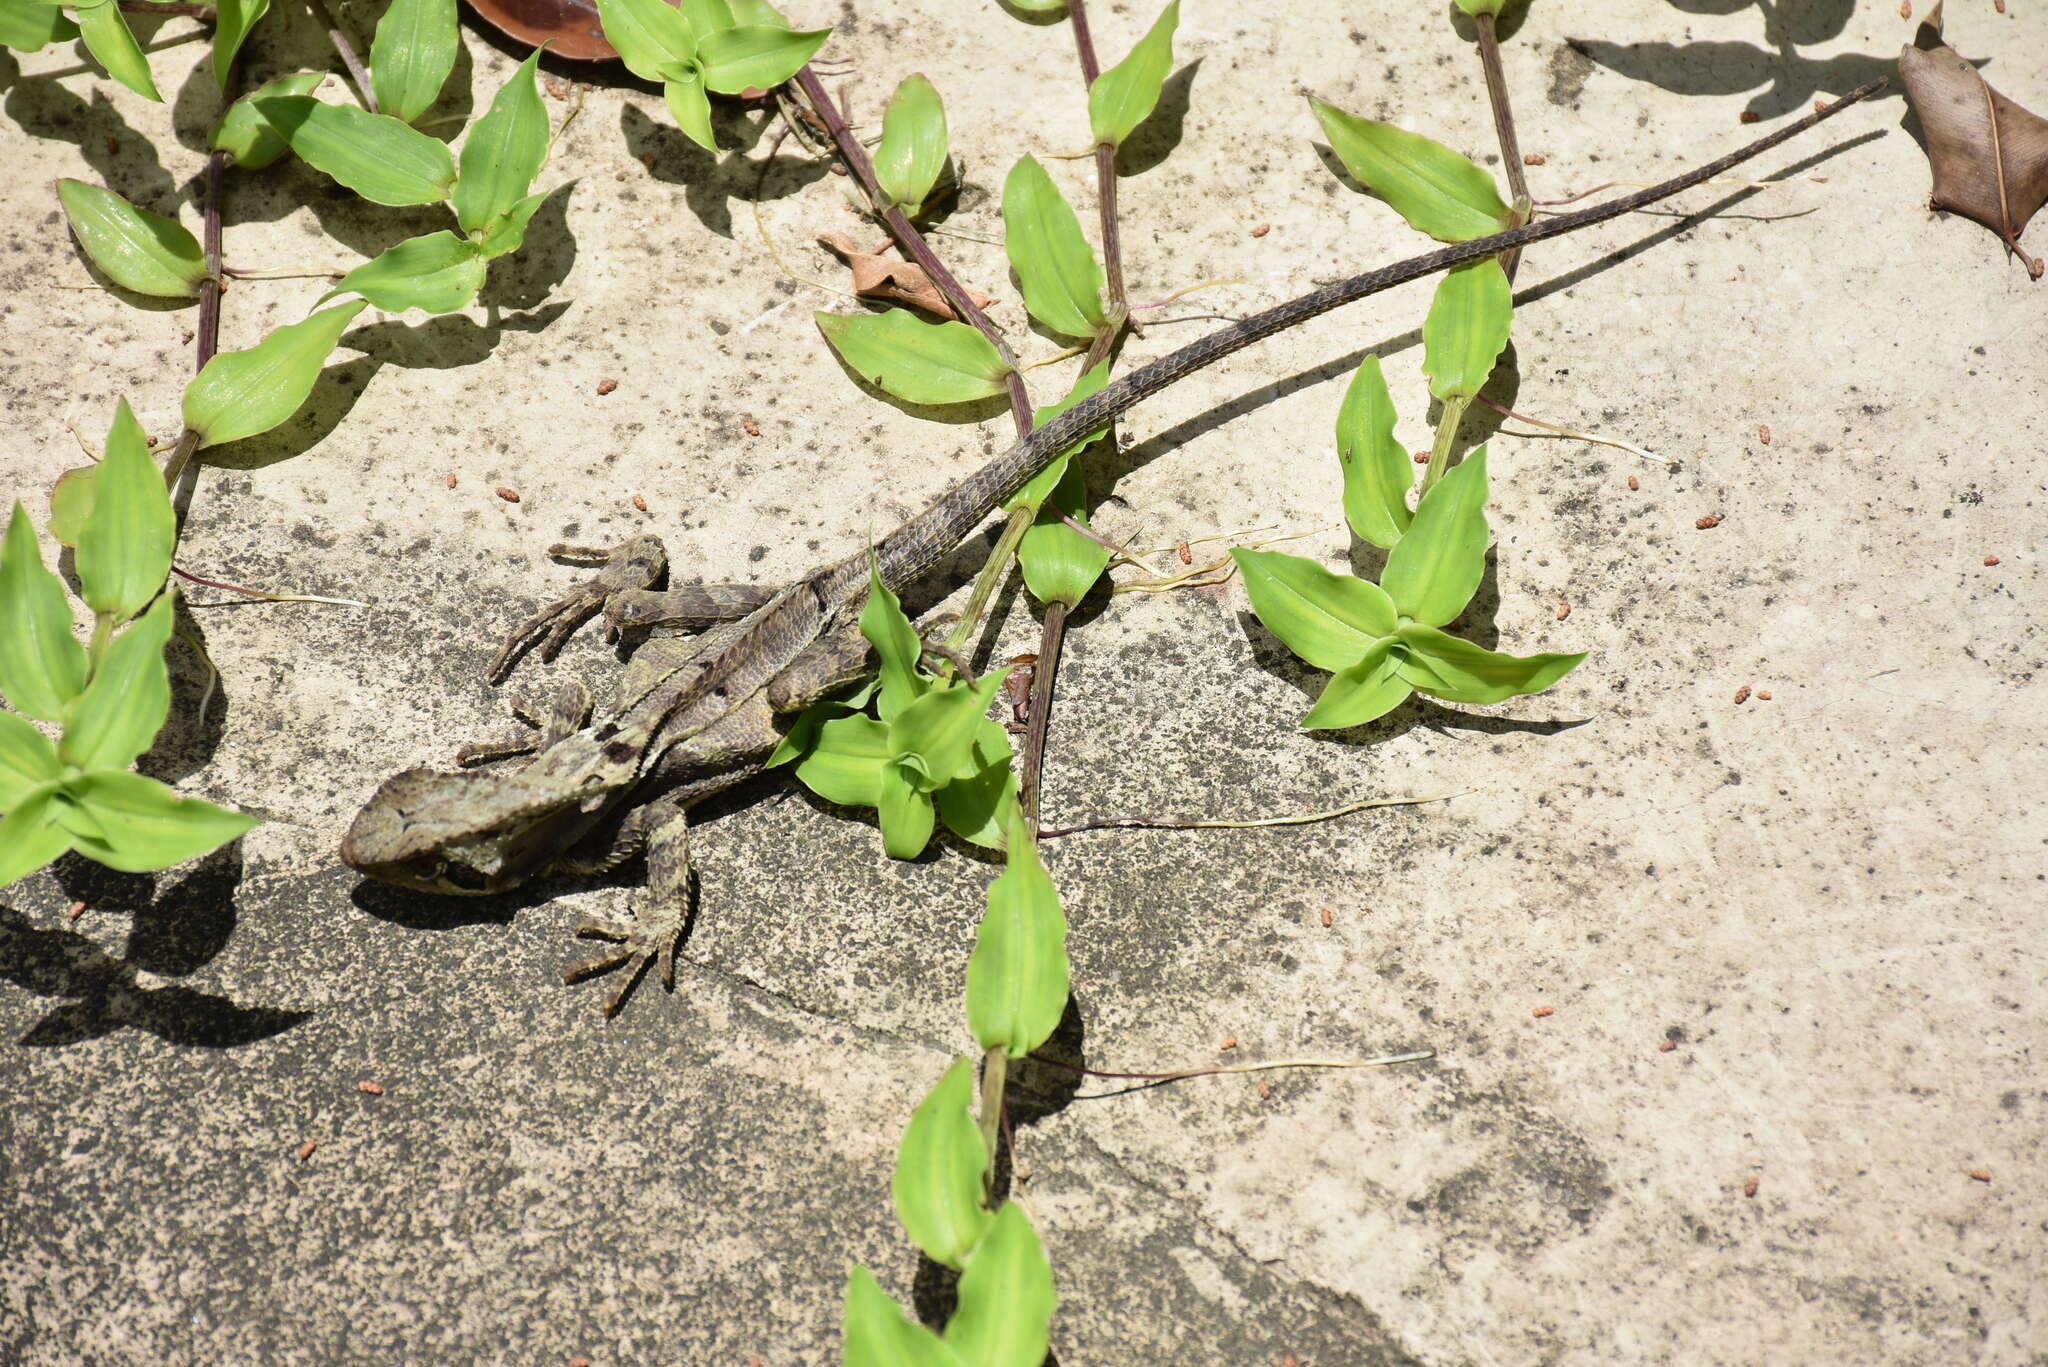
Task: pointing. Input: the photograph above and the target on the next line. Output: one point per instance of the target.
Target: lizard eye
(427, 868)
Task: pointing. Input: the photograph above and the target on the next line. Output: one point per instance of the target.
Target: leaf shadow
(525, 278)
(192, 733)
(175, 932)
(1152, 141)
(127, 163)
(1784, 80)
(1505, 26)
(710, 183)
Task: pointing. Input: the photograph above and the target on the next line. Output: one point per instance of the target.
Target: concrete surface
(1829, 903)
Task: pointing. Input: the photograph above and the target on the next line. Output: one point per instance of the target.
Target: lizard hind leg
(660, 914)
(636, 564)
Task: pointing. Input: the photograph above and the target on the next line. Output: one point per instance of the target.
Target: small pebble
(578, 1361)
(556, 90)
(509, 495)
(1990, 560)
(1262, 230)
(1324, 914)
(1763, 695)
(1749, 1187)
(1185, 552)
(1532, 159)
(369, 1088)
(76, 910)
(1564, 610)
(1634, 484)
(837, 169)
(1422, 457)
(151, 441)
(113, 144)
(606, 386)
(1742, 695)
(1750, 116)
(451, 479)
(1980, 1175)
(306, 1149)
(1540, 1012)
(1666, 1046)
(750, 427)
(1227, 1042)
(1265, 1092)
(640, 502)
(1763, 433)
(1707, 523)
(1819, 105)
(647, 160)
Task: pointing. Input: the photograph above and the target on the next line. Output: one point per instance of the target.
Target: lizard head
(466, 833)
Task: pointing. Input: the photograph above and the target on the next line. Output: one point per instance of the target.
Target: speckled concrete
(1829, 905)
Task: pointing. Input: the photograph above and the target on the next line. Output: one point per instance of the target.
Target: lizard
(696, 715)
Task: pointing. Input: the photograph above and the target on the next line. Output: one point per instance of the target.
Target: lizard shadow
(175, 932)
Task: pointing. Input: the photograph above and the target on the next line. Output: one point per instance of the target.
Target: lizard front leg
(662, 830)
(567, 712)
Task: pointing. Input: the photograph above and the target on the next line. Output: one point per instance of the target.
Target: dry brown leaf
(1989, 156)
(877, 277)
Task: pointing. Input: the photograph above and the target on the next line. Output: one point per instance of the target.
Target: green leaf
(933, 738)
(1056, 269)
(896, 644)
(916, 361)
(978, 807)
(231, 24)
(689, 106)
(27, 761)
(1017, 977)
(1475, 8)
(42, 665)
(1328, 619)
(1466, 328)
(1122, 96)
(31, 25)
(755, 14)
(1438, 191)
(507, 232)
(648, 35)
(846, 760)
(134, 248)
(762, 58)
(706, 16)
(905, 812)
(879, 1334)
(439, 273)
(411, 56)
(938, 1171)
(379, 157)
(1041, 485)
(246, 136)
(1060, 564)
(1435, 570)
(241, 393)
(124, 548)
(503, 152)
(1004, 1315)
(137, 825)
(30, 836)
(1037, 6)
(112, 44)
(913, 149)
(71, 503)
(1447, 667)
(1377, 472)
(802, 736)
(124, 706)
(1362, 692)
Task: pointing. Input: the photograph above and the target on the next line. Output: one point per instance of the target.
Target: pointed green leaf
(124, 706)
(1037, 6)
(246, 136)
(1449, 667)
(977, 807)
(380, 158)
(71, 503)
(763, 58)
(802, 736)
(1045, 481)
(42, 665)
(1377, 472)
(1056, 269)
(232, 20)
(904, 810)
(1435, 570)
(1017, 977)
(30, 836)
(934, 736)
(1060, 564)
(706, 16)
(27, 761)
(507, 232)
(896, 644)
(241, 393)
(1004, 1316)
(1475, 8)
(137, 825)
(1438, 191)
(879, 1334)
(31, 25)
(1362, 692)
(648, 35)
(688, 105)
(1328, 619)
(916, 361)
(503, 152)
(124, 548)
(913, 149)
(755, 14)
(439, 273)
(411, 56)
(845, 762)
(1466, 328)
(112, 44)
(1122, 96)
(134, 248)
(938, 1171)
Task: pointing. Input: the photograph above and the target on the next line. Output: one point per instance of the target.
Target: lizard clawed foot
(649, 940)
(637, 564)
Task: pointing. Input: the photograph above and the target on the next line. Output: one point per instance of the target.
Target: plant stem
(1446, 438)
(1032, 772)
(992, 571)
(357, 72)
(1504, 127)
(995, 1068)
(180, 475)
(172, 10)
(1105, 168)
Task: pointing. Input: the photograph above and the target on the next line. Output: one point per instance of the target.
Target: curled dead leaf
(877, 277)
(1989, 156)
(570, 27)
